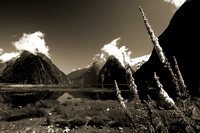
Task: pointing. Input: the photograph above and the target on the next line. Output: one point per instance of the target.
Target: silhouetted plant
(130, 79)
(180, 79)
(161, 54)
(190, 125)
(122, 104)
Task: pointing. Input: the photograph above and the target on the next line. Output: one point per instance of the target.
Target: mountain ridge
(33, 69)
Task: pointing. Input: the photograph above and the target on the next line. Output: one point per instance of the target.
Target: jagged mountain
(86, 76)
(32, 69)
(3, 65)
(112, 70)
(103, 72)
(180, 39)
(139, 61)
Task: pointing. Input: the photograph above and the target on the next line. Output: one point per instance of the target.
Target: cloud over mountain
(176, 3)
(7, 56)
(112, 49)
(31, 69)
(33, 43)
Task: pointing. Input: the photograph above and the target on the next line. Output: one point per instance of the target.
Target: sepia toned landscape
(158, 92)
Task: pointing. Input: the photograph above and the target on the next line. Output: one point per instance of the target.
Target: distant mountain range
(86, 76)
(104, 72)
(39, 69)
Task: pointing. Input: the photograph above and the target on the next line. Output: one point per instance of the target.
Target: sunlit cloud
(176, 3)
(33, 43)
(113, 49)
(8, 56)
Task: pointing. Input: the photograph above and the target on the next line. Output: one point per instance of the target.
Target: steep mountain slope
(33, 69)
(112, 70)
(3, 65)
(77, 77)
(86, 76)
(102, 72)
(181, 40)
(139, 61)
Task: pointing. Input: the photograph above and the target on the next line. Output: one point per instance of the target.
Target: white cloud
(112, 49)
(176, 3)
(8, 56)
(33, 43)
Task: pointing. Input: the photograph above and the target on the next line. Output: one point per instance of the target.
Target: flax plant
(130, 79)
(180, 78)
(69, 81)
(154, 39)
(163, 94)
(190, 124)
(179, 73)
(160, 52)
(122, 104)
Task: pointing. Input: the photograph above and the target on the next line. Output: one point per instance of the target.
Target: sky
(72, 32)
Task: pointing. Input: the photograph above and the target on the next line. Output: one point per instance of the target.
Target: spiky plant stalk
(122, 104)
(190, 124)
(159, 51)
(120, 98)
(69, 81)
(154, 39)
(130, 79)
(180, 78)
(162, 93)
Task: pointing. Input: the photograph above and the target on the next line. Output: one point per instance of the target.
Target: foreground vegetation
(84, 115)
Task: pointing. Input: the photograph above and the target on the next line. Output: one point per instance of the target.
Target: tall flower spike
(154, 39)
(180, 79)
(160, 52)
(69, 81)
(190, 124)
(179, 73)
(119, 96)
(130, 79)
(122, 104)
(162, 93)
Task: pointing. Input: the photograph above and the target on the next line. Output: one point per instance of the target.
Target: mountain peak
(112, 70)
(33, 69)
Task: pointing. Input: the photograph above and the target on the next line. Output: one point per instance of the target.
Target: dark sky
(76, 30)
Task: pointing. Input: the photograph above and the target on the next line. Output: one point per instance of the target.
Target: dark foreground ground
(65, 112)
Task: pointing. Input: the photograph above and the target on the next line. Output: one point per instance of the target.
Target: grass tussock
(29, 111)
